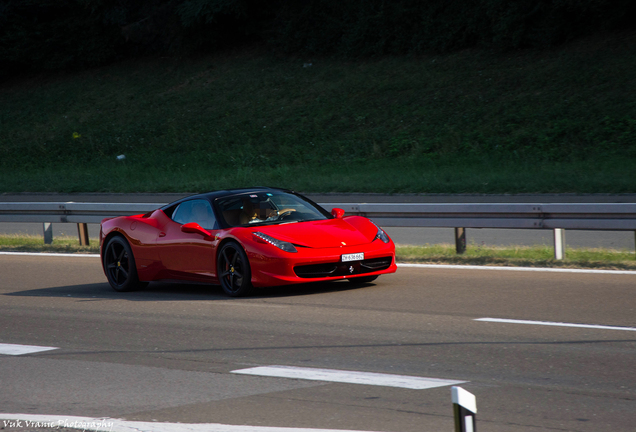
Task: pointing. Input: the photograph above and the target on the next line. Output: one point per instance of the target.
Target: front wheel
(233, 269)
(119, 265)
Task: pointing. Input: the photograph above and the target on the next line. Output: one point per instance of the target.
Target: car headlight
(381, 234)
(264, 238)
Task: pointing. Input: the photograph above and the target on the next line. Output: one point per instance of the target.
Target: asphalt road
(621, 240)
(166, 353)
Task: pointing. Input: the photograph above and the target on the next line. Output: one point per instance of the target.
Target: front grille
(316, 270)
(376, 264)
(343, 269)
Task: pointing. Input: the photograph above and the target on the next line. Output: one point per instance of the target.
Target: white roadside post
(559, 243)
(464, 409)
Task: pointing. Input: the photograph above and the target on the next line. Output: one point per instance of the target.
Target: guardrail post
(82, 232)
(464, 410)
(48, 232)
(559, 243)
(460, 240)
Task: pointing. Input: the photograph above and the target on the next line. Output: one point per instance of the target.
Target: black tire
(233, 270)
(363, 279)
(119, 266)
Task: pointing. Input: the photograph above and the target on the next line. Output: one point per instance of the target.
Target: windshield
(265, 208)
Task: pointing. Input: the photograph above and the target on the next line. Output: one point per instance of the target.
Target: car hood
(324, 233)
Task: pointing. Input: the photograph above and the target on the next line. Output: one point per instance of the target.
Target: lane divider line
(351, 377)
(15, 349)
(555, 324)
(105, 424)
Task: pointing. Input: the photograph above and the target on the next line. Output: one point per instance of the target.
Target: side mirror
(338, 213)
(195, 228)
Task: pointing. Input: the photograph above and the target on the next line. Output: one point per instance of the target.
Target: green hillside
(561, 120)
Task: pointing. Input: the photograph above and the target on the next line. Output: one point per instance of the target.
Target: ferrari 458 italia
(242, 239)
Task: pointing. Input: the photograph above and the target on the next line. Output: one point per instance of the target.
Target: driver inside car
(263, 213)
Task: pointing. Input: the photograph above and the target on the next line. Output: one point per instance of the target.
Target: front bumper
(273, 266)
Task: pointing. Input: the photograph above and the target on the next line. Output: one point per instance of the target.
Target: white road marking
(526, 269)
(48, 254)
(555, 324)
(14, 349)
(106, 424)
(352, 377)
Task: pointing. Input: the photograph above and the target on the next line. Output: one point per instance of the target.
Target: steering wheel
(285, 213)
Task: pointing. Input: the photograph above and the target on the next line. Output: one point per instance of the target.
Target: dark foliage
(37, 35)
(372, 27)
(52, 34)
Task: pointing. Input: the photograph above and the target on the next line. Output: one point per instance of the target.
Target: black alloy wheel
(233, 270)
(119, 265)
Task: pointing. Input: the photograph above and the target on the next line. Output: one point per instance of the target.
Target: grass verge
(561, 120)
(32, 243)
(517, 256)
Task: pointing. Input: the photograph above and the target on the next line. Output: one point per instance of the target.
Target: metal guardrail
(69, 212)
(558, 217)
(613, 216)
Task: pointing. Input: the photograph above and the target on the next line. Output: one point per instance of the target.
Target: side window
(199, 211)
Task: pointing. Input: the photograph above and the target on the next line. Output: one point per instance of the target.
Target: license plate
(352, 257)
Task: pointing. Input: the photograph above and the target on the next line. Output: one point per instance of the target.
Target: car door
(190, 255)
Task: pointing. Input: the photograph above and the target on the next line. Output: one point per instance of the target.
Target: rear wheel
(233, 269)
(119, 264)
(363, 279)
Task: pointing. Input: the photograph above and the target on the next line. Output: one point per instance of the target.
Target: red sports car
(241, 239)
